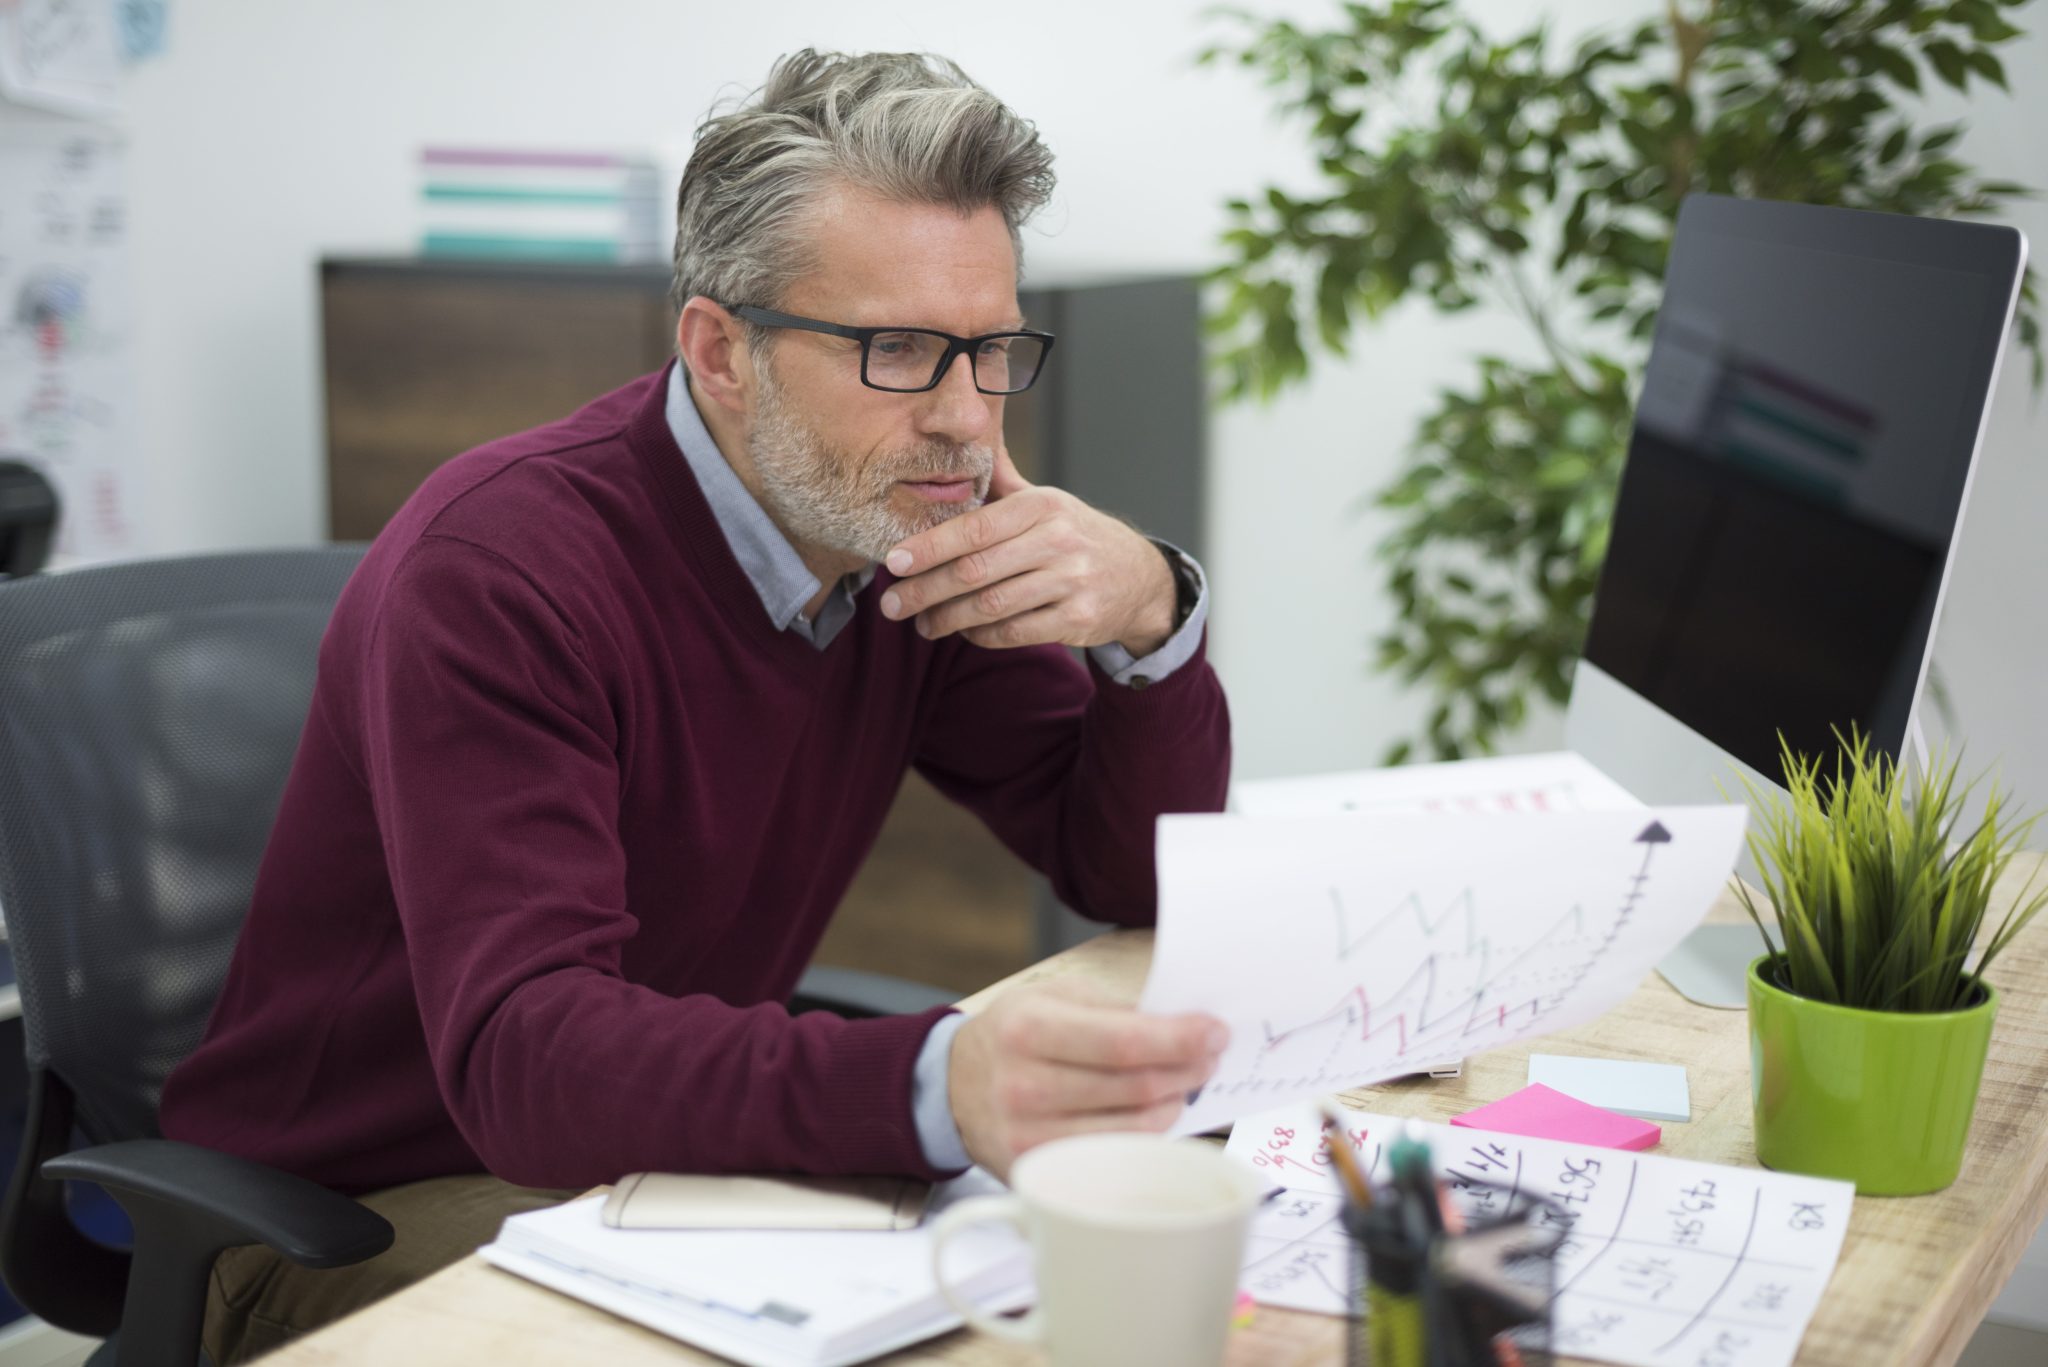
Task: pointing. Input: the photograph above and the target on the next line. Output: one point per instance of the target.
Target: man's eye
(897, 344)
(999, 347)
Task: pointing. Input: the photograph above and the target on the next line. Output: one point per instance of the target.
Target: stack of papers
(770, 1298)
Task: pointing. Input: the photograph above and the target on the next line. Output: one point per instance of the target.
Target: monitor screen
(1801, 449)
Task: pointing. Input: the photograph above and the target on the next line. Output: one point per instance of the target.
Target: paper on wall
(66, 380)
(61, 55)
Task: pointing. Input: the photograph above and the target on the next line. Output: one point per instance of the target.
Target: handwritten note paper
(61, 55)
(1342, 950)
(1664, 1263)
(66, 373)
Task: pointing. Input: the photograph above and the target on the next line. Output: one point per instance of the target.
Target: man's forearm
(577, 1080)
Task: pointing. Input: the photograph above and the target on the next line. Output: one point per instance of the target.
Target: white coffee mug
(1136, 1239)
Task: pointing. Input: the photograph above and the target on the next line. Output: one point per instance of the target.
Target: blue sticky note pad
(1650, 1091)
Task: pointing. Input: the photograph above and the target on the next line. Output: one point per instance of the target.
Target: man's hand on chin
(1033, 565)
(1044, 1062)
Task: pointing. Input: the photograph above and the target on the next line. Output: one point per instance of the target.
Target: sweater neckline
(696, 527)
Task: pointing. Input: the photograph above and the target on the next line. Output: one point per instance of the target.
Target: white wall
(1990, 647)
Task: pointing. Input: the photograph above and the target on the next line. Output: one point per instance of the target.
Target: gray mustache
(979, 461)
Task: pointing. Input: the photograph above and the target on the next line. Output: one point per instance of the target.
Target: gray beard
(824, 498)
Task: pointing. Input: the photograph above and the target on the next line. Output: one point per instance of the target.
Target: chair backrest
(149, 713)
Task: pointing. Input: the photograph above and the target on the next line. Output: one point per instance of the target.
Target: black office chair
(148, 716)
(149, 713)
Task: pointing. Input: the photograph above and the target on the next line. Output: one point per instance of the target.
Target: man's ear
(713, 346)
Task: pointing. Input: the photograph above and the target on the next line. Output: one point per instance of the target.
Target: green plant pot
(1880, 1098)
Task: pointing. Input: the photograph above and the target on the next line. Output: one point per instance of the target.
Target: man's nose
(957, 410)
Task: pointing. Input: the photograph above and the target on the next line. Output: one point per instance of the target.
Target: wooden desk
(1916, 1274)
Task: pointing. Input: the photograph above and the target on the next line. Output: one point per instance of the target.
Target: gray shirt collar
(771, 564)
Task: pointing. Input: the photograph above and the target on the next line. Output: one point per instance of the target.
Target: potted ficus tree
(1869, 1017)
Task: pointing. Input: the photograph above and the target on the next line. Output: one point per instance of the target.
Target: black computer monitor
(1811, 412)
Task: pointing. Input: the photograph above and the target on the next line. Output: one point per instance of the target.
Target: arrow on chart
(1650, 838)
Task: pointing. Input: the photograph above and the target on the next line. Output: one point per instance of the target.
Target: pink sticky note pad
(1542, 1113)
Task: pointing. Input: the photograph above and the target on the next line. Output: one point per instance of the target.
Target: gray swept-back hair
(910, 127)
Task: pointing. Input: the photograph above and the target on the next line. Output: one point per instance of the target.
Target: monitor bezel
(1994, 251)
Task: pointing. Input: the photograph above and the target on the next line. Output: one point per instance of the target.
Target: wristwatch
(1187, 584)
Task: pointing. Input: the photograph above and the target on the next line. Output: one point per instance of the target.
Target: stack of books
(575, 206)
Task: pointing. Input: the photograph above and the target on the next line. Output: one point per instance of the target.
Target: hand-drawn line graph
(1467, 985)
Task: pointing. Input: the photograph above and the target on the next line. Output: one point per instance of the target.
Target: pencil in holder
(1422, 1296)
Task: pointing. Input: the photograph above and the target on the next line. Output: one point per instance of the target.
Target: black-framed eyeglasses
(912, 360)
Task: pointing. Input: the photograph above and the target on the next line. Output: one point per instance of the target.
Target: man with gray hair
(612, 711)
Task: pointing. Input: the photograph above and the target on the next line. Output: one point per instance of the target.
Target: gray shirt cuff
(1115, 661)
(931, 1104)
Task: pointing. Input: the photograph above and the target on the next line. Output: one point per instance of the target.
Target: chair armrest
(853, 992)
(304, 1221)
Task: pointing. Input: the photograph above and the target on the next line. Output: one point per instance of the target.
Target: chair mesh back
(149, 713)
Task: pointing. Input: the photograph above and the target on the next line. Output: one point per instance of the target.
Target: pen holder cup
(1477, 1298)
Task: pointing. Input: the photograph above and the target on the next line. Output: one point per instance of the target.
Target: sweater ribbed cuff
(867, 1106)
(1159, 698)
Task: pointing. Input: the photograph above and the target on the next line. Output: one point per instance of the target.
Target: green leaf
(1893, 63)
(1987, 66)
(1987, 27)
(1949, 62)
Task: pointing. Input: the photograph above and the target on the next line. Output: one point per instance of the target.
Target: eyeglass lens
(910, 360)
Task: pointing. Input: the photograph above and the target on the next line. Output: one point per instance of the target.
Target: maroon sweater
(570, 815)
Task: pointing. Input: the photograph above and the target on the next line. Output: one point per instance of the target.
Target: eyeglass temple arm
(771, 318)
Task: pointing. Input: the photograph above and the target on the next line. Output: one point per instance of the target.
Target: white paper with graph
(1344, 950)
(1664, 1262)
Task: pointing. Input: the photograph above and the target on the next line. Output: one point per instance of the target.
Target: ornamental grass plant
(1876, 895)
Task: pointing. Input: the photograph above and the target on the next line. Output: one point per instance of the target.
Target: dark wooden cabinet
(426, 358)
